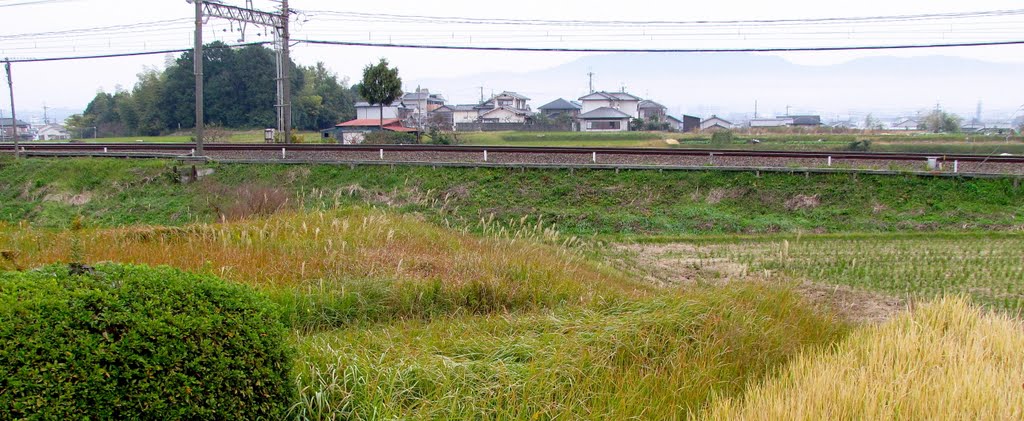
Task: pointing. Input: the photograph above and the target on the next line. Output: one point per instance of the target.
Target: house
(770, 122)
(506, 107)
(507, 99)
(623, 102)
(422, 101)
(52, 132)
(354, 131)
(365, 110)
(905, 124)
(21, 127)
(688, 123)
(715, 123)
(467, 113)
(505, 114)
(560, 107)
(804, 120)
(650, 110)
(605, 119)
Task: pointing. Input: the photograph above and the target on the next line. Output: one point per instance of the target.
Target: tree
(939, 121)
(872, 123)
(381, 85)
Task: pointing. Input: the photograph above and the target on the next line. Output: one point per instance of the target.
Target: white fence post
(382, 154)
(956, 166)
(593, 158)
(284, 153)
(830, 161)
(485, 155)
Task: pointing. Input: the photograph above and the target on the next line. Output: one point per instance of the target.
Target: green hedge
(131, 342)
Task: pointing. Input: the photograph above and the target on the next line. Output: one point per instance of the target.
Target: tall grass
(330, 268)
(945, 360)
(663, 358)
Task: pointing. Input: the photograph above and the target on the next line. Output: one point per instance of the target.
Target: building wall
(374, 112)
(503, 116)
(602, 125)
(628, 107)
(465, 116)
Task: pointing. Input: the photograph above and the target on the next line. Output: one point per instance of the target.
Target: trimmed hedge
(131, 342)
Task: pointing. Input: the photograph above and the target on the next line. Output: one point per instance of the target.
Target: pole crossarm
(242, 14)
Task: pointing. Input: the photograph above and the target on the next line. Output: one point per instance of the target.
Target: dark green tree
(381, 85)
(939, 121)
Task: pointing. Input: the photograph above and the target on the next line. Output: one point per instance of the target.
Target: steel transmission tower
(276, 21)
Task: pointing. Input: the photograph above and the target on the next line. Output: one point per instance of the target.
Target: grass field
(415, 293)
(582, 203)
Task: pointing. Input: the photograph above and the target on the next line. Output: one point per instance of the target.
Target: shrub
(389, 138)
(721, 138)
(134, 342)
(859, 145)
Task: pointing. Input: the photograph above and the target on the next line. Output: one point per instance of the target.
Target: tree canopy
(381, 85)
(240, 92)
(939, 121)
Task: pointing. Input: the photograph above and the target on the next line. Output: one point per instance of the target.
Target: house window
(604, 125)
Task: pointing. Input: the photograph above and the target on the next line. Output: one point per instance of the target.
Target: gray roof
(560, 104)
(651, 104)
(463, 107)
(619, 96)
(7, 122)
(604, 112)
(513, 95)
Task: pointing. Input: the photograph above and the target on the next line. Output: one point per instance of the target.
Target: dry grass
(945, 360)
(332, 267)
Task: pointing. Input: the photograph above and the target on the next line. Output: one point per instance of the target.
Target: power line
(661, 50)
(141, 53)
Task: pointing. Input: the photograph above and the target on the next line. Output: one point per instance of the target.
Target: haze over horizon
(896, 82)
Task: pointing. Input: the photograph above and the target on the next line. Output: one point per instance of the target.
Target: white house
(648, 109)
(464, 113)
(905, 124)
(52, 132)
(623, 102)
(604, 119)
(771, 122)
(365, 110)
(715, 123)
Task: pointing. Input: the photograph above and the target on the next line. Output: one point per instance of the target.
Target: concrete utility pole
(14, 119)
(197, 60)
(591, 82)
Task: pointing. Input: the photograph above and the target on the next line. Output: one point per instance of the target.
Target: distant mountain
(729, 83)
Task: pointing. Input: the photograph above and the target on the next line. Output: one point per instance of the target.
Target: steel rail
(188, 148)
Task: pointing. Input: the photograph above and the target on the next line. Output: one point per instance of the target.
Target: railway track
(542, 156)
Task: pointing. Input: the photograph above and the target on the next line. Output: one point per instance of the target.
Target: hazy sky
(71, 84)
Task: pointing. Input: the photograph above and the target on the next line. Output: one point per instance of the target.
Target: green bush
(859, 145)
(721, 138)
(133, 342)
(386, 137)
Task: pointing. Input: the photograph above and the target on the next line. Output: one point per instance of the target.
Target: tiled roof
(618, 96)
(604, 112)
(560, 104)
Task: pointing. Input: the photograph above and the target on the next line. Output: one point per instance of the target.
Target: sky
(68, 85)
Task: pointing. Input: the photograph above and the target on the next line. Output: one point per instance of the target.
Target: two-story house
(506, 107)
(608, 111)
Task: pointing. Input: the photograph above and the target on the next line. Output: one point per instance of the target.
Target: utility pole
(197, 60)
(282, 37)
(591, 82)
(286, 98)
(755, 108)
(14, 119)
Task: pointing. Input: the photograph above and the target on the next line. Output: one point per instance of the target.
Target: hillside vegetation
(583, 203)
